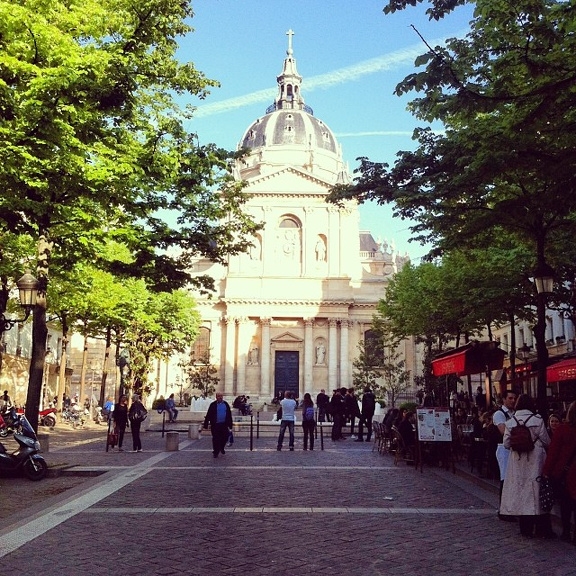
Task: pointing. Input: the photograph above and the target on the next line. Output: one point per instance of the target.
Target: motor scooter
(46, 417)
(25, 458)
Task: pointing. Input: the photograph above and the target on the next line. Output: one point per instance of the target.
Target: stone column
(332, 354)
(308, 354)
(229, 357)
(344, 360)
(265, 362)
(243, 346)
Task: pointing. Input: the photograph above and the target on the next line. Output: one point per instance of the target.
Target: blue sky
(351, 57)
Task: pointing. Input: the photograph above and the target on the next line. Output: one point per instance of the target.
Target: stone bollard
(193, 432)
(172, 441)
(44, 440)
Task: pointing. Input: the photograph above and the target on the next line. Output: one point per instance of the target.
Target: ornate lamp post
(28, 290)
(544, 282)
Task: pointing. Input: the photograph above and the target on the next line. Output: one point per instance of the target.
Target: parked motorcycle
(46, 417)
(74, 417)
(9, 421)
(25, 458)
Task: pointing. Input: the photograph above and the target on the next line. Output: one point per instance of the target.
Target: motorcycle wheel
(49, 421)
(4, 432)
(35, 468)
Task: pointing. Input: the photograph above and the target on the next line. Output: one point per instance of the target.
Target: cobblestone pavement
(342, 511)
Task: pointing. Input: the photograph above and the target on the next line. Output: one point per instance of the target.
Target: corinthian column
(229, 355)
(344, 360)
(332, 354)
(265, 354)
(308, 353)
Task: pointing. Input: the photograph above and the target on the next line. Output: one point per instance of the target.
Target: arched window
(373, 348)
(201, 346)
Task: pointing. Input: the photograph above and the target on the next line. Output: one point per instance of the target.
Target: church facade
(290, 314)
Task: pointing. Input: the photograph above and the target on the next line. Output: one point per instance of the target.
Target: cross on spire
(290, 33)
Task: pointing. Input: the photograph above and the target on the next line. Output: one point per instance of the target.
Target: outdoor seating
(377, 433)
(402, 452)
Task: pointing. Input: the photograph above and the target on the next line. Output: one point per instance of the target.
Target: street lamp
(544, 282)
(28, 290)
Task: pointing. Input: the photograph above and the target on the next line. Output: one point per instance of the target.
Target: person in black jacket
(337, 411)
(120, 417)
(368, 409)
(219, 416)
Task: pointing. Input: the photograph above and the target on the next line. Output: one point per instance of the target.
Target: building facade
(290, 314)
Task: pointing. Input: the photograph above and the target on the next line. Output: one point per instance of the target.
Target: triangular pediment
(287, 337)
(288, 180)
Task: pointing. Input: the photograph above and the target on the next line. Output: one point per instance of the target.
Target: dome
(290, 135)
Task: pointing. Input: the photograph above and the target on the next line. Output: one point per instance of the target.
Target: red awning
(565, 370)
(473, 358)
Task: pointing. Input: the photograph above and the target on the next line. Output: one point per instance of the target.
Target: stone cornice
(290, 169)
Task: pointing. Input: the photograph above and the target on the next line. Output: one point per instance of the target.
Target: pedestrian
(499, 419)
(288, 407)
(368, 409)
(137, 414)
(308, 422)
(337, 411)
(520, 495)
(5, 401)
(560, 467)
(120, 416)
(170, 407)
(322, 401)
(219, 417)
(352, 409)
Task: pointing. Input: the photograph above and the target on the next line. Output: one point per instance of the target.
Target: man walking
(322, 401)
(288, 407)
(368, 409)
(219, 416)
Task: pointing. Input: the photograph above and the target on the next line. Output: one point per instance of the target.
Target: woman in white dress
(521, 492)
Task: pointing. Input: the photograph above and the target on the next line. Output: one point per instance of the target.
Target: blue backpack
(309, 414)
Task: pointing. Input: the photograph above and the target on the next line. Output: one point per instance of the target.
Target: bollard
(193, 431)
(172, 441)
(44, 440)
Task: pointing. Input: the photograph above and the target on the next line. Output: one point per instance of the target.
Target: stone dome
(290, 135)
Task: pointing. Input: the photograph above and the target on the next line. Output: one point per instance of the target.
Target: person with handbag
(137, 414)
(560, 467)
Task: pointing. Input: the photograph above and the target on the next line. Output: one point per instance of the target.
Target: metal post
(257, 425)
(322, 436)
(251, 432)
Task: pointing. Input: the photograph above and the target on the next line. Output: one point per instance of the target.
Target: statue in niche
(253, 356)
(320, 353)
(320, 251)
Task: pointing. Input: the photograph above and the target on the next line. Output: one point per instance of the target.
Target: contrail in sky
(322, 81)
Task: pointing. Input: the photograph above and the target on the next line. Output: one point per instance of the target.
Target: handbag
(547, 496)
(112, 438)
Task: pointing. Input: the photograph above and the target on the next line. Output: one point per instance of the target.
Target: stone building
(290, 314)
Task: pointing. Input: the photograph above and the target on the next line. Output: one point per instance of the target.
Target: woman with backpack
(308, 422)
(527, 439)
(137, 414)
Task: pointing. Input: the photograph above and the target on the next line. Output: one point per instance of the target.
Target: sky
(351, 57)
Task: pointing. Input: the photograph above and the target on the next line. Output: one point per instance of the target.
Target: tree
(201, 375)
(507, 159)
(92, 145)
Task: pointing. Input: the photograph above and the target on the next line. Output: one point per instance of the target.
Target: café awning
(472, 358)
(565, 370)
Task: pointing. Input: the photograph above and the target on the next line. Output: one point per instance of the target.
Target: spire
(289, 82)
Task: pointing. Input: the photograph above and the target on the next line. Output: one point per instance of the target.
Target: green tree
(507, 159)
(92, 144)
(201, 375)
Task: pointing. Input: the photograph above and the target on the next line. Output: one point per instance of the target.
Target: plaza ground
(346, 510)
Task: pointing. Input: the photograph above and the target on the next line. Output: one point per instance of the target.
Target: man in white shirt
(504, 413)
(288, 406)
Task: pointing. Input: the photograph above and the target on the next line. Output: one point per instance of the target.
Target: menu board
(434, 425)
